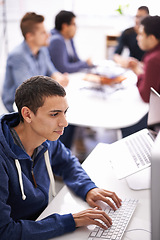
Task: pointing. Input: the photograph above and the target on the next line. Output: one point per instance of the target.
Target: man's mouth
(59, 132)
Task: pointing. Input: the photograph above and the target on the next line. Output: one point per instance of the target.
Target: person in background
(128, 39)
(148, 71)
(61, 47)
(30, 153)
(65, 58)
(30, 58)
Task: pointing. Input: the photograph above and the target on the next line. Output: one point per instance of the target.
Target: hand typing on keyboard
(120, 220)
(92, 216)
(97, 194)
(96, 215)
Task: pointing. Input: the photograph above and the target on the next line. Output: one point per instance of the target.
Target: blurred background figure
(65, 58)
(61, 48)
(30, 58)
(148, 71)
(128, 40)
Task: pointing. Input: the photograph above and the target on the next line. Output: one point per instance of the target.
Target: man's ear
(26, 114)
(64, 26)
(29, 36)
(153, 41)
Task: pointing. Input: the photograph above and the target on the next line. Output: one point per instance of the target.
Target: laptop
(132, 154)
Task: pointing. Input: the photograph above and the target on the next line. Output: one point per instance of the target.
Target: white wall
(95, 19)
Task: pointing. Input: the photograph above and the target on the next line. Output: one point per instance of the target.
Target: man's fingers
(105, 195)
(110, 203)
(94, 205)
(101, 219)
(92, 216)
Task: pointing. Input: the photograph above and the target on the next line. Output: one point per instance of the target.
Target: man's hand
(89, 62)
(136, 66)
(91, 216)
(62, 79)
(96, 194)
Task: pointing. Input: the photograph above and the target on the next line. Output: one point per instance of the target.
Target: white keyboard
(120, 219)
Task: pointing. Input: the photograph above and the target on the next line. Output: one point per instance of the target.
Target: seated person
(30, 58)
(61, 47)
(148, 71)
(128, 40)
(29, 152)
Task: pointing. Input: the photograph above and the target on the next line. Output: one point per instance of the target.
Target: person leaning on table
(147, 71)
(30, 58)
(61, 46)
(64, 56)
(29, 152)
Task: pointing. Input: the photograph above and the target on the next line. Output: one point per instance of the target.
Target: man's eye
(55, 114)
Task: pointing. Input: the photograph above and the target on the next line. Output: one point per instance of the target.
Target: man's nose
(63, 122)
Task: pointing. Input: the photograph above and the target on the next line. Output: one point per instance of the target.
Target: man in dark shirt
(128, 40)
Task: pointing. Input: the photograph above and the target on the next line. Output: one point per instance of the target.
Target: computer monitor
(154, 110)
(155, 190)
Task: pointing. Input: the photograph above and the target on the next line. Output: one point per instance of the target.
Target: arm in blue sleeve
(59, 57)
(67, 166)
(49, 227)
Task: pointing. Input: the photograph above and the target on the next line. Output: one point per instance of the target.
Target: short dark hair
(29, 21)
(63, 17)
(33, 92)
(145, 8)
(152, 26)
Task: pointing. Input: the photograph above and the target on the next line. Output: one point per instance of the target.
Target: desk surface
(99, 169)
(111, 107)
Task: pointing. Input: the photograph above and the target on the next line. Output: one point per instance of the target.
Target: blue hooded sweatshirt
(20, 202)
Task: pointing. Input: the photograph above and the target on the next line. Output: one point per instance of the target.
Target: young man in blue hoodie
(30, 153)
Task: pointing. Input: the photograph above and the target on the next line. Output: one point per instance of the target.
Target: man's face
(139, 16)
(40, 37)
(144, 41)
(50, 119)
(71, 28)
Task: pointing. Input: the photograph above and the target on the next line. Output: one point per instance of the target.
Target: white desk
(101, 172)
(111, 109)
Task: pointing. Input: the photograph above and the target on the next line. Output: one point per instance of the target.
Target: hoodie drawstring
(18, 166)
(50, 173)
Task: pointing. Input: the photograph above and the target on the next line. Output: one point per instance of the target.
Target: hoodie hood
(10, 148)
(6, 122)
